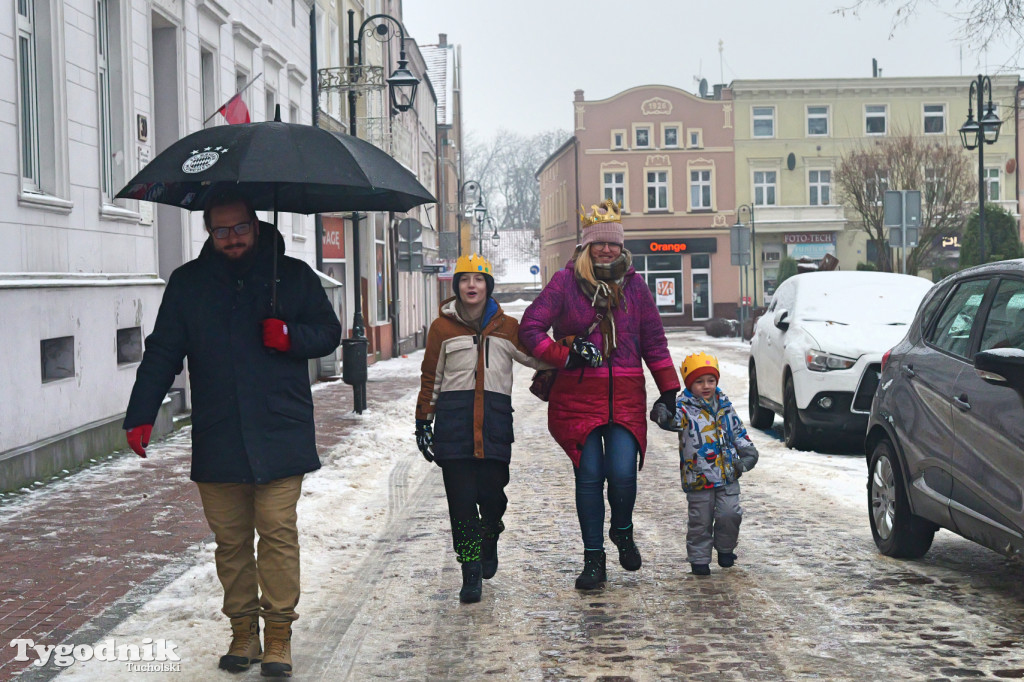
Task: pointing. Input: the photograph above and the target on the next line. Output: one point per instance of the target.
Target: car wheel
(796, 435)
(760, 417)
(897, 532)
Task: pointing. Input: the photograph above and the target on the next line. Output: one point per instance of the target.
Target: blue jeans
(610, 452)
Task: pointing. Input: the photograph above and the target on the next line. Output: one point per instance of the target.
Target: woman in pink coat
(598, 414)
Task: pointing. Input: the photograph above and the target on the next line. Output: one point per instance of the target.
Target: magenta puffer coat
(583, 399)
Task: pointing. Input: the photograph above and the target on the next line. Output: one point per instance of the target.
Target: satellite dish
(703, 88)
(791, 161)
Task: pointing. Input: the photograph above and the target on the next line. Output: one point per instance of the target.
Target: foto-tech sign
(672, 246)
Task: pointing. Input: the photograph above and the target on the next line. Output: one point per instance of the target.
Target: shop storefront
(662, 263)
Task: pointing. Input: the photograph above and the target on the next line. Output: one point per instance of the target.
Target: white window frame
(934, 186)
(103, 87)
(884, 113)
(637, 127)
(826, 116)
(28, 105)
(993, 178)
(270, 102)
(925, 115)
(622, 141)
(699, 185)
(756, 117)
(699, 143)
(665, 127)
(662, 181)
(880, 183)
(769, 187)
(208, 82)
(816, 183)
(614, 186)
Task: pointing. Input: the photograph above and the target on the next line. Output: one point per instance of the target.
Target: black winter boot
(629, 555)
(700, 569)
(726, 559)
(472, 583)
(593, 575)
(489, 548)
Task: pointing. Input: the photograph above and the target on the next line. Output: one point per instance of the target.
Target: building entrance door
(700, 285)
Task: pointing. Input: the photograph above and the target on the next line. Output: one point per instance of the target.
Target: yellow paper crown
(611, 213)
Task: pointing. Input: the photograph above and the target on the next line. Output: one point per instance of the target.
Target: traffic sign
(534, 270)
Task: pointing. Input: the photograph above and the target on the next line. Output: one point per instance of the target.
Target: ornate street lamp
(402, 85)
(479, 210)
(973, 134)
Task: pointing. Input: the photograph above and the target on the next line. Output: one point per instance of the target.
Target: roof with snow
(440, 60)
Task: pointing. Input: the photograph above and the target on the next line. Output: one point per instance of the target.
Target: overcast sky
(522, 60)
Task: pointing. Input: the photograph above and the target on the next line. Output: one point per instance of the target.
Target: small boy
(714, 451)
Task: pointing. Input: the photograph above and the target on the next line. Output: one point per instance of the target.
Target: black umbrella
(278, 167)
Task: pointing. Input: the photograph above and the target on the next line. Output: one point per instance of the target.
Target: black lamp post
(977, 134)
(749, 208)
(402, 85)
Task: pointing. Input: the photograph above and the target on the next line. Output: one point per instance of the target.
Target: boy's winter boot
(245, 645)
(629, 555)
(593, 575)
(489, 547)
(700, 569)
(726, 559)
(277, 659)
(472, 582)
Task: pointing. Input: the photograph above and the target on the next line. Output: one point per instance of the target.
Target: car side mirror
(1002, 367)
(781, 319)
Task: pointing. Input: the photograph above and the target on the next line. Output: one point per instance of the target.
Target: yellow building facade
(791, 134)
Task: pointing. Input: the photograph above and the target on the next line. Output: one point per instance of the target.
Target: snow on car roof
(859, 297)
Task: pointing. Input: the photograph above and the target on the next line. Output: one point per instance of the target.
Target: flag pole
(246, 87)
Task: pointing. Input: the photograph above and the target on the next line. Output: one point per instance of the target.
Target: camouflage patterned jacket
(712, 442)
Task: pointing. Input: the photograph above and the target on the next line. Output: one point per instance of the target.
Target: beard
(240, 264)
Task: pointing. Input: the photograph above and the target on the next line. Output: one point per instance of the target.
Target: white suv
(816, 353)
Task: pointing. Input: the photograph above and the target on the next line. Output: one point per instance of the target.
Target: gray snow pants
(714, 521)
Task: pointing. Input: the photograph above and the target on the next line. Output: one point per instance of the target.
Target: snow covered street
(810, 597)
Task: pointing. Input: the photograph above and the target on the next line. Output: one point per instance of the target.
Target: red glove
(275, 334)
(138, 438)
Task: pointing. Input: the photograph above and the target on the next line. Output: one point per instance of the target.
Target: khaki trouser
(714, 520)
(235, 512)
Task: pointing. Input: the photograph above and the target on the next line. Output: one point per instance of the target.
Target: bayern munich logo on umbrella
(202, 160)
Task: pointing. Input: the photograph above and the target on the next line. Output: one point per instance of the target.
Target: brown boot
(245, 645)
(277, 661)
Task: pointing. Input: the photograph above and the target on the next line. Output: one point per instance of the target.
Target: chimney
(874, 68)
(718, 90)
(442, 40)
(578, 95)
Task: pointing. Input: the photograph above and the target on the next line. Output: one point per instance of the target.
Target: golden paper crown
(611, 213)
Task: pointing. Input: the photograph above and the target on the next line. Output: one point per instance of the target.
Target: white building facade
(92, 90)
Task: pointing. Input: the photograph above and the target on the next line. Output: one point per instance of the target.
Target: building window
(271, 103)
(992, 184)
(764, 188)
(29, 96)
(57, 358)
(208, 84)
(700, 190)
(934, 119)
(671, 136)
(383, 284)
(764, 121)
(241, 80)
(934, 187)
(664, 276)
(618, 139)
(875, 187)
(819, 182)
(293, 113)
(875, 116)
(615, 187)
(111, 97)
(817, 121)
(696, 138)
(657, 190)
(642, 137)
(129, 345)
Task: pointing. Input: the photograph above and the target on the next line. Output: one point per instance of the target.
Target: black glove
(737, 468)
(583, 354)
(425, 438)
(664, 409)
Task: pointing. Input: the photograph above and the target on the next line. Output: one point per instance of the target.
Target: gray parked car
(945, 438)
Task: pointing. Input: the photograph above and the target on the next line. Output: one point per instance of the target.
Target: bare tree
(940, 169)
(982, 23)
(505, 167)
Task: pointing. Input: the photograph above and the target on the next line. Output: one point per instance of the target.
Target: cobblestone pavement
(810, 597)
(80, 554)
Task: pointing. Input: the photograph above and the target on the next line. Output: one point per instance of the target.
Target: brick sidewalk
(83, 553)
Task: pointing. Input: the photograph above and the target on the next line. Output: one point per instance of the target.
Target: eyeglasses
(612, 246)
(239, 229)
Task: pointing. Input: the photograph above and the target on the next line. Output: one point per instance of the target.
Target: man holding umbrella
(253, 434)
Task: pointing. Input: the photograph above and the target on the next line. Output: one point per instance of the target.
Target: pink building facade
(667, 157)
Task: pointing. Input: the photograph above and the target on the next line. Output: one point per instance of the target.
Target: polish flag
(234, 110)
